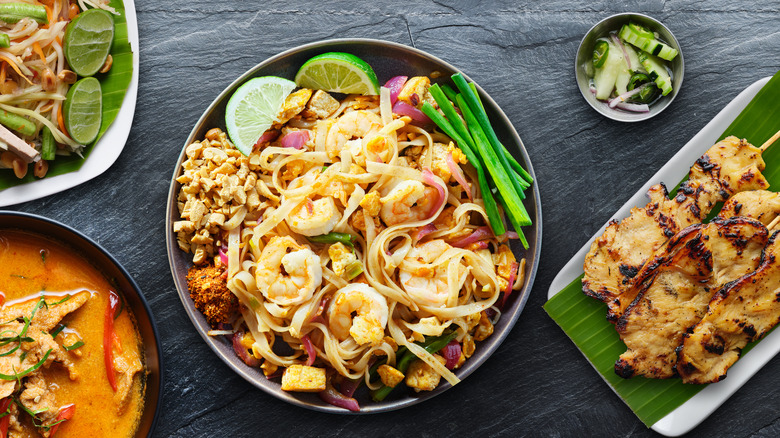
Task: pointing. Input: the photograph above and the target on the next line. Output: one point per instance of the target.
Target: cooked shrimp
(301, 276)
(406, 202)
(353, 130)
(313, 218)
(370, 310)
(423, 281)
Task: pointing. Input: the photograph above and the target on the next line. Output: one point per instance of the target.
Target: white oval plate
(107, 149)
(704, 403)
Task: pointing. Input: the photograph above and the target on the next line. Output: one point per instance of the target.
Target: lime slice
(338, 72)
(253, 108)
(83, 110)
(88, 40)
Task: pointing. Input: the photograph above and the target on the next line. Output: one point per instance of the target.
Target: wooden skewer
(769, 142)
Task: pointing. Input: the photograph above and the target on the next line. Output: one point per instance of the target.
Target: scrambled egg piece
(415, 92)
(371, 203)
(293, 105)
(341, 256)
(302, 378)
(390, 376)
(439, 165)
(484, 329)
(422, 377)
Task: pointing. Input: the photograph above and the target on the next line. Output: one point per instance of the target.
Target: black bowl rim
(488, 347)
(128, 277)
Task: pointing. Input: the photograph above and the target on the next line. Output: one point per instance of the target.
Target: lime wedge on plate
(88, 40)
(338, 72)
(83, 110)
(253, 108)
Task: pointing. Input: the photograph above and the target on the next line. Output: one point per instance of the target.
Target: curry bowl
(67, 243)
(388, 60)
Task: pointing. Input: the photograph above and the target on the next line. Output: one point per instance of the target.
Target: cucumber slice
(606, 76)
(642, 38)
(621, 83)
(634, 58)
(657, 72)
(629, 68)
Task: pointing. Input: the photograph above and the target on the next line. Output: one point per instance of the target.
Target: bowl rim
(89, 241)
(489, 346)
(614, 115)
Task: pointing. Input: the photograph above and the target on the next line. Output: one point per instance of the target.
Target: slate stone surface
(522, 53)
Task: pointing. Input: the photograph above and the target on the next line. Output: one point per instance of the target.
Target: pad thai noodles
(34, 80)
(352, 245)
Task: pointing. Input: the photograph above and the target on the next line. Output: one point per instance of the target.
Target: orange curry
(57, 316)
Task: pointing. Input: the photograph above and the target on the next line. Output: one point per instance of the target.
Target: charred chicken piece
(739, 313)
(673, 289)
(730, 166)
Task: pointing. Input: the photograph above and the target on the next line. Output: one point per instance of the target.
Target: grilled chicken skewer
(673, 289)
(728, 167)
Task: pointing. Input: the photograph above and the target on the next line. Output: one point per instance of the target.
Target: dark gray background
(522, 53)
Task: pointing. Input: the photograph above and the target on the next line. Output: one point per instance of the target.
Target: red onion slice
(295, 139)
(242, 352)
(223, 257)
(512, 235)
(428, 178)
(424, 231)
(418, 117)
(633, 107)
(480, 233)
(309, 347)
(451, 352)
(623, 97)
(335, 398)
(512, 276)
(349, 386)
(619, 43)
(268, 136)
(457, 173)
(395, 85)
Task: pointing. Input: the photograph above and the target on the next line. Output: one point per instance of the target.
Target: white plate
(704, 403)
(107, 149)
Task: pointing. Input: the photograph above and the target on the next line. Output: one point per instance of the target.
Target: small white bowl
(585, 53)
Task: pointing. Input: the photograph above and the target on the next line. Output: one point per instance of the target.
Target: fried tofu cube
(302, 378)
(293, 105)
(321, 105)
(422, 377)
(390, 376)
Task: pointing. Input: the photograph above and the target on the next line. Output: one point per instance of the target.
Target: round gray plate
(387, 59)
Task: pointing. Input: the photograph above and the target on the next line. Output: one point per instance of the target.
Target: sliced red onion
(320, 310)
(623, 97)
(424, 231)
(224, 326)
(633, 107)
(278, 373)
(223, 257)
(457, 173)
(512, 235)
(512, 276)
(395, 85)
(619, 43)
(242, 352)
(335, 398)
(482, 244)
(309, 347)
(480, 233)
(267, 136)
(451, 352)
(490, 313)
(349, 386)
(295, 139)
(428, 178)
(418, 117)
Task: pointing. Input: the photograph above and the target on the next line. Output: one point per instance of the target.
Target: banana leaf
(584, 319)
(114, 86)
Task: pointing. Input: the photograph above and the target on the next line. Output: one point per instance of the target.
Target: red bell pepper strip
(108, 337)
(6, 420)
(66, 413)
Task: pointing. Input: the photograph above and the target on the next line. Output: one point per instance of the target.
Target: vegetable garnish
(431, 345)
(66, 413)
(333, 237)
(21, 374)
(74, 346)
(108, 337)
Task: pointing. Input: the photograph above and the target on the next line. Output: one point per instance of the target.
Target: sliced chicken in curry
(671, 291)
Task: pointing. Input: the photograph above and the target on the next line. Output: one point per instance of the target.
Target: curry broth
(30, 264)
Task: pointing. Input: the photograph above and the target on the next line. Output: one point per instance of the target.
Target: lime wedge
(253, 108)
(338, 72)
(88, 40)
(83, 110)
